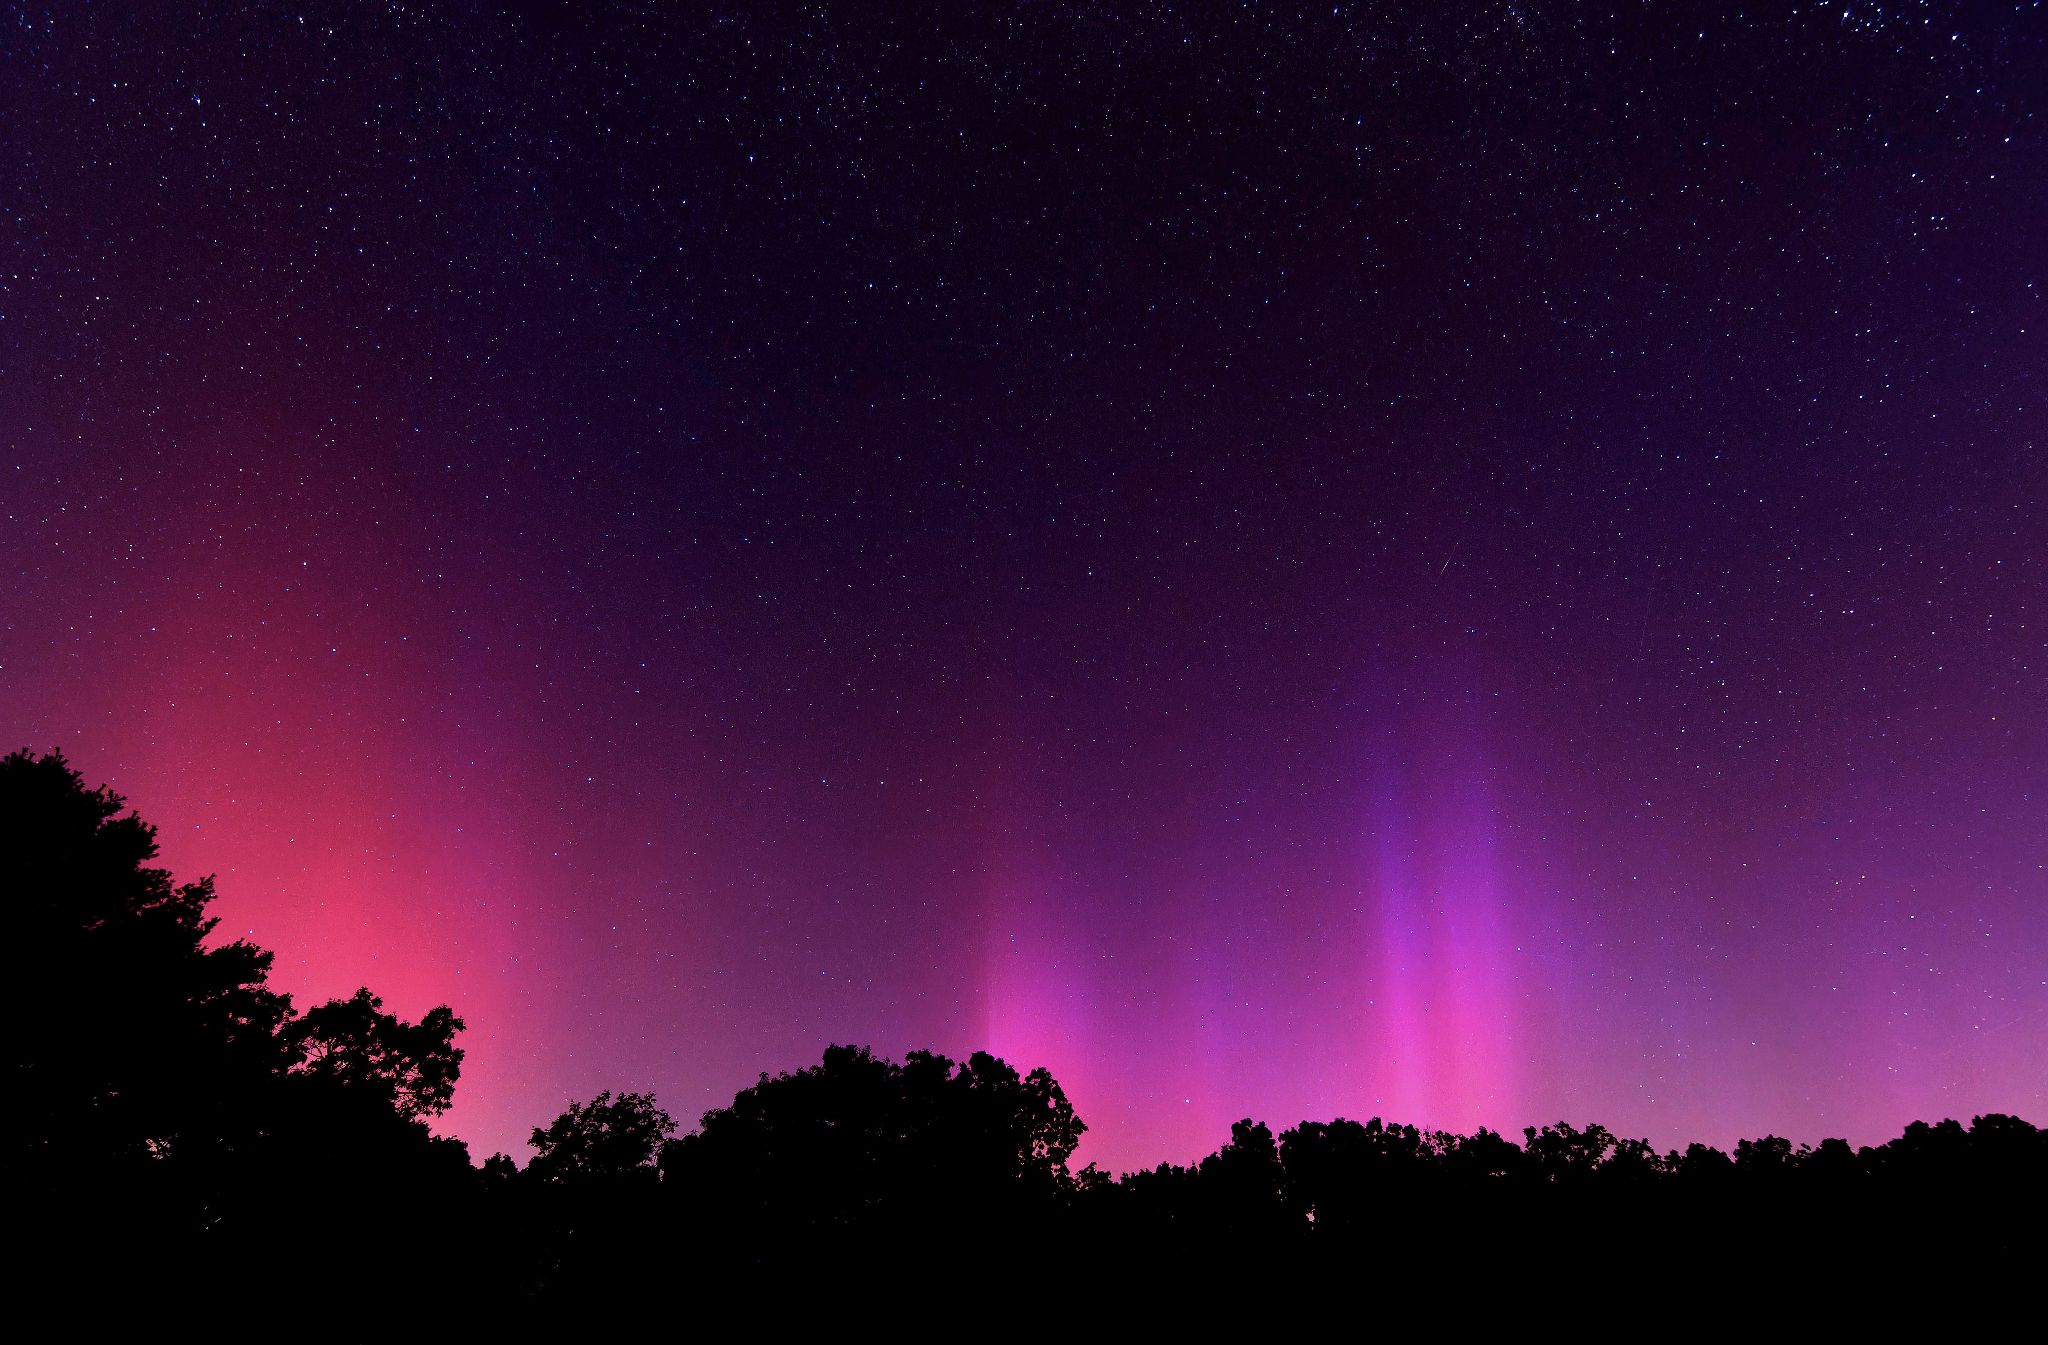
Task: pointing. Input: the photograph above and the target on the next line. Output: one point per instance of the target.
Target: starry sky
(1479, 563)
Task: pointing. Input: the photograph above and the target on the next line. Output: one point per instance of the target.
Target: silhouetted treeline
(176, 1122)
(171, 1115)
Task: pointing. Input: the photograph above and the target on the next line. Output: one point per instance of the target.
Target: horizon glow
(1316, 567)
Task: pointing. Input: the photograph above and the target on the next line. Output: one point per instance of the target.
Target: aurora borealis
(1471, 567)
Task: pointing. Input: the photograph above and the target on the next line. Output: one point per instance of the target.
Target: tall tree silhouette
(132, 1039)
(159, 1080)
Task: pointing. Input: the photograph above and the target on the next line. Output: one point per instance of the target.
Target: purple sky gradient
(1478, 572)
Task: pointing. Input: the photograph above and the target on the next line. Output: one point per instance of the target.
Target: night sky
(1478, 564)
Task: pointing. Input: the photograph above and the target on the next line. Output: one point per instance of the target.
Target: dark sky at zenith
(1478, 564)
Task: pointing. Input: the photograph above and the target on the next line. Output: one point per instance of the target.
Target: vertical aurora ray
(1178, 598)
(1441, 990)
(1398, 1026)
(1040, 995)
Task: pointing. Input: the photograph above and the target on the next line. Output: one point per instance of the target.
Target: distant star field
(1476, 564)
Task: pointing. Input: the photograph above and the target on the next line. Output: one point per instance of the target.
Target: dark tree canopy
(161, 1082)
(132, 1036)
(143, 1047)
(409, 1067)
(606, 1138)
(857, 1139)
(1563, 1153)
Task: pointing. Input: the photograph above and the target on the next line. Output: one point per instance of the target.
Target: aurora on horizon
(1369, 561)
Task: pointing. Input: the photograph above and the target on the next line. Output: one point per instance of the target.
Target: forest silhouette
(184, 1129)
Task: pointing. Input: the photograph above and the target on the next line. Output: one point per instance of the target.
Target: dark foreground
(192, 1151)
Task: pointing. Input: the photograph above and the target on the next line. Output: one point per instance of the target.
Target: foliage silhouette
(607, 1139)
(409, 1067)
(860, 1156)
(161, 1085)
(135, 1041)
(160, 1080)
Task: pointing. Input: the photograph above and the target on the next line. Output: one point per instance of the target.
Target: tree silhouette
(163, 1088)
(1483, 1158)
(607, 1138)
(131, 1038)
(1562, 1154)
(1242, 1184)
(160, 1081)
(409, 1067)
(858, 1152)
(1341, 1174)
